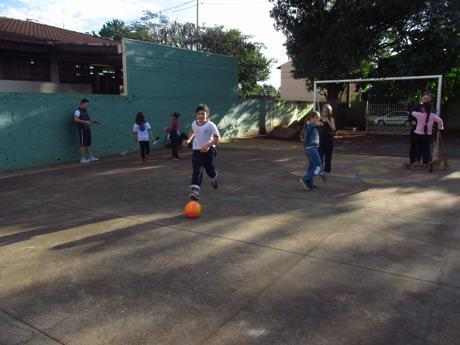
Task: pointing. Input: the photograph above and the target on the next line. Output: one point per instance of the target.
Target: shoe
(324, 177)
(304, 185)
(92, 159)
(314, 186)
(195, 192)
(175, 159)
(214, 182)
(84, 161)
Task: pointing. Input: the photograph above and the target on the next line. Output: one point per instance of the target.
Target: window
(13, 67)
(75, 73)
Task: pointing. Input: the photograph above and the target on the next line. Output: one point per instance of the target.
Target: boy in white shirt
(206, 137)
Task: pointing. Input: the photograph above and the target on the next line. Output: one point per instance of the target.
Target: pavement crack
(49, 336)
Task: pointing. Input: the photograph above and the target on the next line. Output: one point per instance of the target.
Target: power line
(183, 9)
(176, 6)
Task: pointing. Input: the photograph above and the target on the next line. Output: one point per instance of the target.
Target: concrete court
(101, 254)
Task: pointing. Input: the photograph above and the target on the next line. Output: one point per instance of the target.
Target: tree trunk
(333, 91)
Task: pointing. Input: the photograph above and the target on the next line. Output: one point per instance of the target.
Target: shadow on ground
(102, 254)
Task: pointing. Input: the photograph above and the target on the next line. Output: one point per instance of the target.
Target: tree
(115, 29)
(336, 39)
(253, 65)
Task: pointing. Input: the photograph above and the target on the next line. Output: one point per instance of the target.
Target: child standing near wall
(326, 138)
(206, 136)
(311, 147)
(173, 134)
(424, 130)
(142, 133)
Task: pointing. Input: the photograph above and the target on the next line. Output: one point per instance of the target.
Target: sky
(251, 17)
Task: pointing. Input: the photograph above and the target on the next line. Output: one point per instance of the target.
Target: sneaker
(305, 186)
(194, 195)
(214, 183)
(84, 161)
(314, 186)
(175, 159)
(92, 159)
(324, 176)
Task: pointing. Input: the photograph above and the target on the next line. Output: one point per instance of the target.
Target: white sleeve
(135, 128)
(147, 126)
(215, 130)
(77, 113)
(193, 126)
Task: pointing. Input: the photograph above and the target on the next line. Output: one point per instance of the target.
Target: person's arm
(331, 123)
(191, 134)
(77, 119)
(439, 121)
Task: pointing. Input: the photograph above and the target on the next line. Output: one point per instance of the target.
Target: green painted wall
(37, 129)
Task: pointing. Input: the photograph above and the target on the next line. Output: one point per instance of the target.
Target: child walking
(142, 133)
(311, 146)
(206, 136)
(173, 133)
(326, 138)
(424, 130)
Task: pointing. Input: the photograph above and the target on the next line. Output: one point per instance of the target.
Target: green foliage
(253, 65)
(265, 91)
(336, 39)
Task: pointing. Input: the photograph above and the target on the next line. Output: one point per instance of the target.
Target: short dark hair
(202, 107)
(175, 114)
(84, 100)
(312, 114)
(427, 93)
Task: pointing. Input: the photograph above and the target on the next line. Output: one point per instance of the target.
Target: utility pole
(197, 15)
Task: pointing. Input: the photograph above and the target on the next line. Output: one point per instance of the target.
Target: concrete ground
(101, 254)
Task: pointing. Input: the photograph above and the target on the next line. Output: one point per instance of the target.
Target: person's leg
(141, 148)
(174, 145)
(147, 150)
(328, 157)
(197, 175)
(426, 149)
(308, 178)
(413, 147)
(322, 152)
(209, 159)
(316, 165)
(418, 147)
(88, 143)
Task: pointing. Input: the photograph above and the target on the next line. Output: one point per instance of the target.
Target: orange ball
(193, 209)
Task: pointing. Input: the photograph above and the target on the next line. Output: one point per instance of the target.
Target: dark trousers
(326, 146)
(204, 160)
(423, 147)
(413, 148)
(145, 148)
(175, 142)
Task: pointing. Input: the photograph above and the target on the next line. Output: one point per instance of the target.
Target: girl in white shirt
(142, 133)
(206, 136)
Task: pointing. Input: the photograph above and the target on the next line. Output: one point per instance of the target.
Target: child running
(424, 130)
(206, 137)
(311, 146)
(142, 133)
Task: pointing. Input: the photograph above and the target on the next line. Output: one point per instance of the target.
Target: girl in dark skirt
(326, 138)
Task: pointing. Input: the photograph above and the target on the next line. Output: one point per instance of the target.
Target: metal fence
(387, 119)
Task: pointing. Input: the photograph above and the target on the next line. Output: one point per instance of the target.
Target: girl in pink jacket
(424, 131)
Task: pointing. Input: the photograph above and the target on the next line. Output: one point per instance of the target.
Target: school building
(45, 71)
